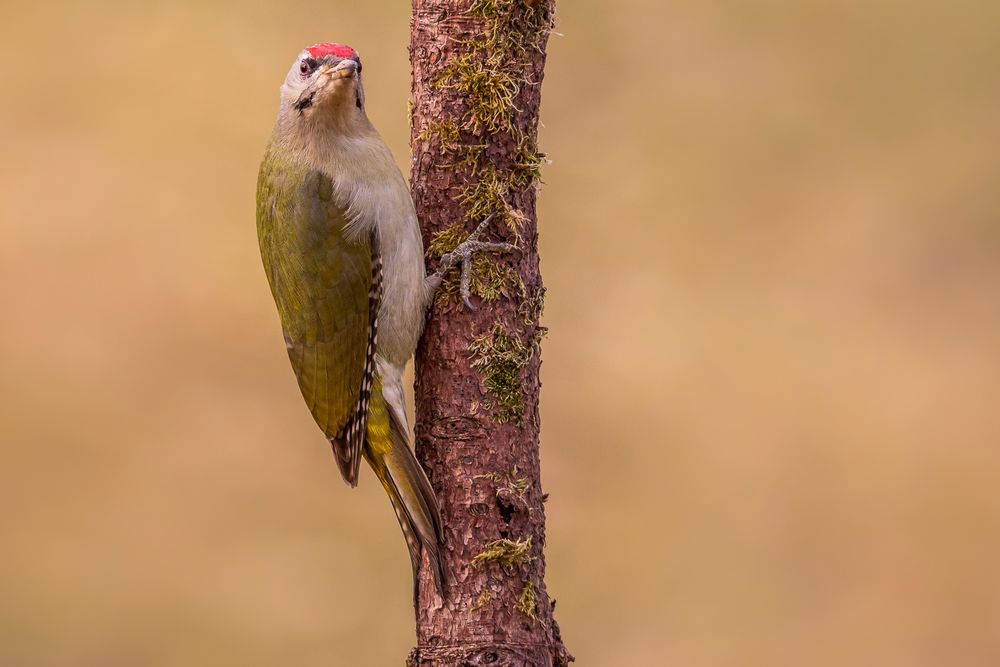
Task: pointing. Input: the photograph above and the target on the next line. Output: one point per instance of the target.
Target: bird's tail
(388, 453)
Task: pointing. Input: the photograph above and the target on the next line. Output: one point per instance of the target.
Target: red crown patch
(329, 48)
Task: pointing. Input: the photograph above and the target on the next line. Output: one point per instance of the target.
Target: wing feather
(327, 286)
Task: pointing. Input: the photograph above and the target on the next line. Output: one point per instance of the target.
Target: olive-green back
(321, 284)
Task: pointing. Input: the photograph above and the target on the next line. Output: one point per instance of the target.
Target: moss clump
(446, 132)
(493, 476)
(500, 356)
(491, 190)
(487, 195)
(509, 483)
(488, 279)
(506, 553)
(510, 25)
(526, 601)
(515, 485)
(528, 161)
(490, 73)
(484, 599)
(467, 155)
(449, 138)
(490, 90)
(532, 307)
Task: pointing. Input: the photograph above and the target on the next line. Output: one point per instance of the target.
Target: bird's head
(324, 86)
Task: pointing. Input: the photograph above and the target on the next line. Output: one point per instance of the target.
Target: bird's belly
(404, 296)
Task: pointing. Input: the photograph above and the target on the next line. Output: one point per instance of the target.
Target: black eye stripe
(305, 103)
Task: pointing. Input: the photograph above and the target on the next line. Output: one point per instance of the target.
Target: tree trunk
(477, 72)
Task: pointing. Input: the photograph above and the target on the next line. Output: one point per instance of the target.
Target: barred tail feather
(409, 490)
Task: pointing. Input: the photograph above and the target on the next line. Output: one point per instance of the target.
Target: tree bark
(477, 372)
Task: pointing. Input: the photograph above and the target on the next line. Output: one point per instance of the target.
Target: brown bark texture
(481, 450)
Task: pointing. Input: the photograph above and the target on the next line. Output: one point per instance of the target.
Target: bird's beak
(324, 86)
(346, 68)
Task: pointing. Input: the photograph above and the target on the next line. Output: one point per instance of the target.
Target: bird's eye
(307, 66)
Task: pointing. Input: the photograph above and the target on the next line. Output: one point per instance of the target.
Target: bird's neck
(361, 167)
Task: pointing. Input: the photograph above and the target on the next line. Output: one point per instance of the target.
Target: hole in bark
(490, 657)
(479, 509)
(506, 510)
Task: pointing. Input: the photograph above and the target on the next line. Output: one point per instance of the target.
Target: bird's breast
(404, 297)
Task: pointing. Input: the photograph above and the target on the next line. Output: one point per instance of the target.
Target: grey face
(328, 81)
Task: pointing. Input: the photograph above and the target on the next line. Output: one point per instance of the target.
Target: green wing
(327, 289)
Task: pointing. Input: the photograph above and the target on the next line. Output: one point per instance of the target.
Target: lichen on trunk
(477, 73)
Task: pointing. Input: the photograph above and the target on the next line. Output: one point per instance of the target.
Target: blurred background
(771, 238)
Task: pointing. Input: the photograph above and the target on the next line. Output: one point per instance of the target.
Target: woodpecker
(342, 251)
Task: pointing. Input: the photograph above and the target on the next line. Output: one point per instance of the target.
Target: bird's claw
(464, 253)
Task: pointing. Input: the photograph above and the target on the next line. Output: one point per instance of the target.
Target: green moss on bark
(500, 355)
(507, 483)
(506, 553)
(527, 600)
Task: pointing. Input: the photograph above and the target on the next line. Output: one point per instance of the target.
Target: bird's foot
(464, 254)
